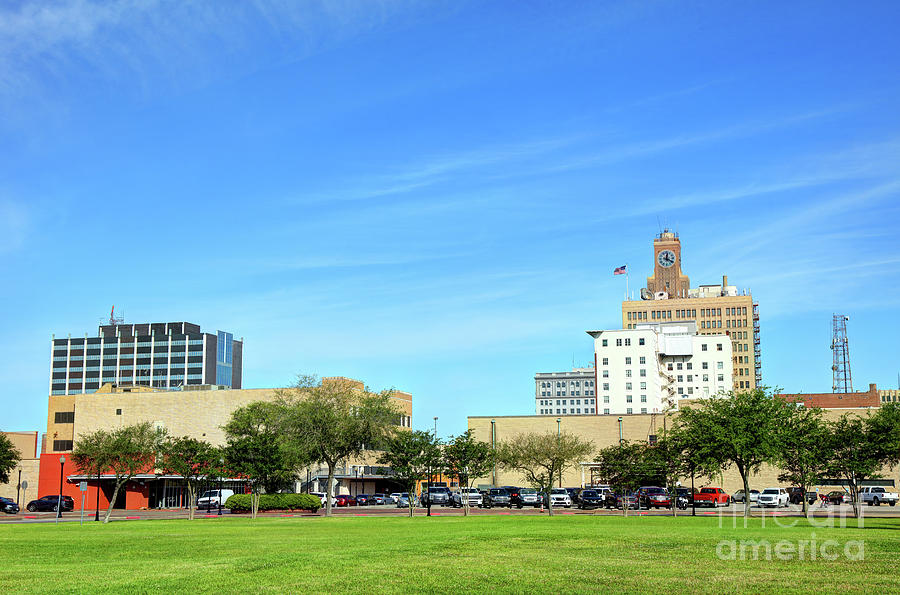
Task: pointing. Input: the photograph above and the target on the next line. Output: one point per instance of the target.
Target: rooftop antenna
(113, 320)
(840, 346)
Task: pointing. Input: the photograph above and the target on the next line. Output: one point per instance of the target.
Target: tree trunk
(805, 505)
(329, 489)
(549, 499)
(190, 501)
(112, 501)
(854, 497)
(746, 481)
(411, 490)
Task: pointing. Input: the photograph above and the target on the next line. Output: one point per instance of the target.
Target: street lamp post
(18, 487)
(62, 462)
(558, 420)
(97, 512)
(221, 463)
(493, 448)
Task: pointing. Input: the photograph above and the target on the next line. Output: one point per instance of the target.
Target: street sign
(82, 486)
(24, 485)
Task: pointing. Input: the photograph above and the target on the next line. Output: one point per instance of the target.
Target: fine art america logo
(808, 547)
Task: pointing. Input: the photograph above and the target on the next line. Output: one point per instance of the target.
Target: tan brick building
(606, 431)
(717, 309)
(199, 412)
(27, 445)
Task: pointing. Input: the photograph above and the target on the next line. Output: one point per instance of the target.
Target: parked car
(684, 497)
(322, 496)
(380, 499)
(8, 506)
(495, 497)
(654, 497)
(363, 499)
(573, 494)
(773, 497)
(795, 496)
(463, 495)
(876, 495)
(345, 500)
(591, 499)
(212, 498)
(529, 497)
(712, 497)
(739, 496)
(838, 497)
(560, 497)
(403, 500)
(609, 498)
(394, 496)
(630, 498)
(435, 495)
(50, 503)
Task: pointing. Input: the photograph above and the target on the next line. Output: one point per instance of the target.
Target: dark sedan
(591, 499)
(8, 506)
(363, 499)
(49, 503)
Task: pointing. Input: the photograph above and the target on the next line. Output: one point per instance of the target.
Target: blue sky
(432, 196)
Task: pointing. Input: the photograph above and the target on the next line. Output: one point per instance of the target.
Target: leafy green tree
(626, 467)
(467, 459)
(194, 460)
(125, 452)
(411, 456)
(802, 444)
(333, 421)
(735, 428)
(857, 451)
(543, 458)
(667, 460)
(884, 425)
(256, 448)
(9, 458)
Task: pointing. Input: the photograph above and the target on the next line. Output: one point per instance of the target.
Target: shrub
(241, 502)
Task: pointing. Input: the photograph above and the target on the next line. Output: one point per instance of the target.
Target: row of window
(562, 393)
(549, 402)
(549, 384)
(572, 411)
(623, 342)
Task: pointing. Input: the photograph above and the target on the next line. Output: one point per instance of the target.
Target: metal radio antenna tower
(840, 347)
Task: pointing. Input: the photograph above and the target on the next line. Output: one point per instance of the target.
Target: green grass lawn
(500, 554)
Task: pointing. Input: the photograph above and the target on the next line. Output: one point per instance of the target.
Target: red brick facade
(870, 398)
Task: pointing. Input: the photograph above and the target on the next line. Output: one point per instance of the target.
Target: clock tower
(667, 276)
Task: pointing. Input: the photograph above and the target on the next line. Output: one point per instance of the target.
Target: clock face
(666, 258)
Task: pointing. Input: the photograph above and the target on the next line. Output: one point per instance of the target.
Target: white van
(213, 498)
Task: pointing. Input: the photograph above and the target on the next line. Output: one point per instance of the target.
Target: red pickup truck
(712, 497)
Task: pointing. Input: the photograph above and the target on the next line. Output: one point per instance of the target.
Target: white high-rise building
(648, 368)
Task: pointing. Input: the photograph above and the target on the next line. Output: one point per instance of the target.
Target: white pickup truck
(875, 496)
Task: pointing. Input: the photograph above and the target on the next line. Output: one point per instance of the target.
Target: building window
(706, 378)
(680, 378)
(603, 341)
(643, 410)
(606, 412)
(605, 386)
(606, 398)
(721, 378)
(118, 412)
(718, 347)
(606, 373)
(627, 342)
(627, 361)
(62, 445)
(640, 341)
(643, 372)
(64, 417)
(643, 398)
(679, 365)
(628, 398)
(627, 373)
(627, 386)
(605, 361)
(719, 365)
(618, 342)
(689, 365)
(643, 386)
(703, 347)
(643, 360)
(628, 411)
(705, 365)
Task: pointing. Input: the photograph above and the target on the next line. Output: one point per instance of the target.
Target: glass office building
(161, 355)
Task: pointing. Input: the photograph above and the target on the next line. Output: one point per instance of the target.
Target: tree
(857, 450)
(194, 460)
(884, 425)
(668, 460)
(256, 449)
(125, 452)
(411, 456)
(625, 466)
(802, 444)
(735, 428)
(467, 459)
(543, 458)
(333, 421)
(9, 458)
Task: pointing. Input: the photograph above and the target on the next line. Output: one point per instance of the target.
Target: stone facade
(27, 445)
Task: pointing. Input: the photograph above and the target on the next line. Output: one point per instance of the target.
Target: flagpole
(626, 281)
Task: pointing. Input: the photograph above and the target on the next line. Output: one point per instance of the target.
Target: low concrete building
(570, 392)
(607, 430)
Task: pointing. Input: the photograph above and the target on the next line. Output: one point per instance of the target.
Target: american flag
(620, 270)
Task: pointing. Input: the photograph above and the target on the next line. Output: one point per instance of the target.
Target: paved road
(378, 511)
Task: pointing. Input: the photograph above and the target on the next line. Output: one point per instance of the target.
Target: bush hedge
(241, 502)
